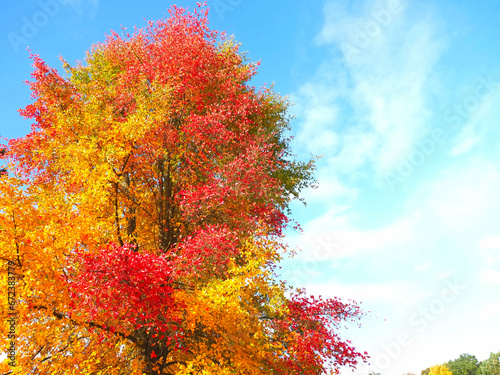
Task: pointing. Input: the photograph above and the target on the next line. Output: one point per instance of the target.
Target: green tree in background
(490, 366)
(466, 364)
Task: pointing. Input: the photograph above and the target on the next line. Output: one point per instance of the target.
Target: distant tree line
(467, 364)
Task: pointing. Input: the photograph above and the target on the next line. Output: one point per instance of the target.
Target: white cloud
(459, 210)
(489, 276)
(480, 109)
(490, 312)
(490, 242)
(444, 275)
(317, 107)
(330, 236)
(422, 267)
(330, 190)
(373, 108)
(366, 293)
(466, 197)
(439, 232)
(465, 143)
(489, 248)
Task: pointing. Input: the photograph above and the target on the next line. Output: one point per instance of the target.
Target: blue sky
(400, 99)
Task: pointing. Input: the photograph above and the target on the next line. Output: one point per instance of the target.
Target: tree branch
(61, 316)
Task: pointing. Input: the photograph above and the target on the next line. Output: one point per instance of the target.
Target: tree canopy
(466, 364)
(490, 366)
(143, 217)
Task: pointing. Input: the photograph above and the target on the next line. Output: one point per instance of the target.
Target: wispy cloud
(334, 227)
(371, 105)
(489, 277)
(481, 108)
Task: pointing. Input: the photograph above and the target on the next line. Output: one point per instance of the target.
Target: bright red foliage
(314, 345)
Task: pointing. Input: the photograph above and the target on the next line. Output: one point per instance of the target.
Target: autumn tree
(439, 370)
(143, 217)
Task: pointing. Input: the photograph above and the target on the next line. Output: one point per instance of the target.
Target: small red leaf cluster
(315, 345)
